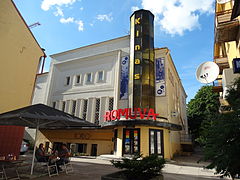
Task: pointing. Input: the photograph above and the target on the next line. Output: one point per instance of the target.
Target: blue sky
(184, 26)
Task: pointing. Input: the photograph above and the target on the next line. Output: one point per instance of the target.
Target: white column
(117, 81)
(78, 106)
(107, 104)
(89, 110)
(67, 106)
(57, 104)
(102, 109)
(93, 110)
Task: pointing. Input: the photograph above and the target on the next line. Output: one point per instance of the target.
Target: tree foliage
(139, 167)
(221, 137)
(201, 108)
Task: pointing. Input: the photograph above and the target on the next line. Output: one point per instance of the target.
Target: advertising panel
(124, 78)
(160, 83)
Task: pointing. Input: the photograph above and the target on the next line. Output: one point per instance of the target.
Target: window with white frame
(110, 103)
(67, 80)
(97, 111)
(88, 77)
(74, 107)
(100, 76)
(85, 105)
(78, 79)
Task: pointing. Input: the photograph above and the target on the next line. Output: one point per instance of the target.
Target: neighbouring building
(19, 63)
(127, 87)
(226, 47)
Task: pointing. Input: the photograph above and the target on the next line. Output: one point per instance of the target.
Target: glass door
(131, 141)
(156, 141)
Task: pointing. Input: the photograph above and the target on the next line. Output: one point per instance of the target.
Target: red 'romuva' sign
(128, 114)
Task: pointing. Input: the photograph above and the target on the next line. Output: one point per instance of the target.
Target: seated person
(64, 155)
(40, 154)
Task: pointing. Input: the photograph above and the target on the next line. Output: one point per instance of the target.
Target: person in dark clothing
(64, 155)
(40, 154)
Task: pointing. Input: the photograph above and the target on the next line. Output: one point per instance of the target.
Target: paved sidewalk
(191, 171)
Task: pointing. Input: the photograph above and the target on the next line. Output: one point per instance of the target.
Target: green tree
(221, 137)
(202, 108)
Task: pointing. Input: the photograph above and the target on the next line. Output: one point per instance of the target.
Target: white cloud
(135, 8)
(177, 16)
(80, 25)
(46, 4)
(105, 17)
(81, 8)
(59, 12)
(67, 20)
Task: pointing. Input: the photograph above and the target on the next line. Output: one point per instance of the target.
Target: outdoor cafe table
(9, 168)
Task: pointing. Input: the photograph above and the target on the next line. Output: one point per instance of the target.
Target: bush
(140, 167)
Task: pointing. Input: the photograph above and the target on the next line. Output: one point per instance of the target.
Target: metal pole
(34, 150)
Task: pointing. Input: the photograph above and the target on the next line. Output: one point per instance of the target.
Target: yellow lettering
(136, 76)
(137, 61)
(137, 47)
(137, 33)
(137, 21)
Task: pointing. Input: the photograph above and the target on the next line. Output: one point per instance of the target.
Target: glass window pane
(159, 149)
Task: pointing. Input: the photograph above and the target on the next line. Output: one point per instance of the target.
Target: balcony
(226, 30)
(222, 62)
(217, 86)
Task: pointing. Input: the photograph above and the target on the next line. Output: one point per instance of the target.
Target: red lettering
(152, 114)
(114, 115)
(135, 113)
(107, 116)
(142, 114)
(122, 112)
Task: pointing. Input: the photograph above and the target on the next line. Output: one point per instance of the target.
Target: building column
(102, 110)
(57, 104)
(107, 104)
(67, 106)
(89, 110)
(117, 81)
(78, 107)
(93, 110)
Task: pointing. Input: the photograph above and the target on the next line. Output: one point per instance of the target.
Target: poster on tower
(124, 78)
(160, 83)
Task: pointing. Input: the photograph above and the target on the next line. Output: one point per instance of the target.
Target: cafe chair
(51, 169)
(68, 167)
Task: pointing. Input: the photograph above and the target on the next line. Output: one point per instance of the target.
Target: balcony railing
(226, 29)
(222, 62)
(217, 85)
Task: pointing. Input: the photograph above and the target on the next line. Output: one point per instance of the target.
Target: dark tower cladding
(141, 71)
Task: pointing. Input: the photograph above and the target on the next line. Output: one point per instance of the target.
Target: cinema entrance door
(131, 141)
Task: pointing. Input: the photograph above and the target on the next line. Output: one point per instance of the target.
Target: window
(156, 141)
(78, 79)
(67, 80)
(54, 104)
(63, 105)
(100, 76)
(82, 148)
(97, 111)
(85, 104)
(74, 107)
(89, 78)
(110, 106)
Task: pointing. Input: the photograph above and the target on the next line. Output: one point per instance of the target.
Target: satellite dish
(207, 72)
(222, 1)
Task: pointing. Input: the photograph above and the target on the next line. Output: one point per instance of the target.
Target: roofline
(144, 10)
(57, 54)
(28, 27)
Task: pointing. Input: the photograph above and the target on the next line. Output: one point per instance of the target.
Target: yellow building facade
(19, 63)
(226, 47)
